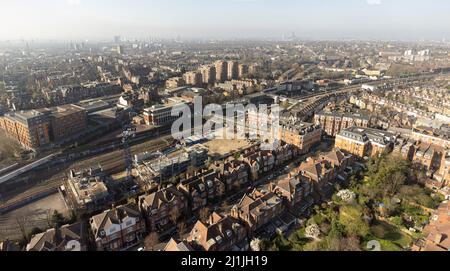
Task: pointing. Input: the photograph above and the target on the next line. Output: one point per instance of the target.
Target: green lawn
(390, 237)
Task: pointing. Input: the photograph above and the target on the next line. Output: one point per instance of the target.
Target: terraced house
(294, 189)
(159, 207)
(234, 174)
(257, 209)
(202, 188)
(219, 233)
(333, 122)
(118, 228)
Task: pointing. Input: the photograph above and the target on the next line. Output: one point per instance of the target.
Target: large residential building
(220, 233)
(233, 70)
(160, 208)
(67, 238)
(175, 82)
(30, 128)
(364, 142)
(117, 228)
(430, 137)
(236, 85)
(37, 128)
(257, 209)
(221, 71)
(444, 171)
(208, 74)
(193, 78)
(243, 70)
(302, 135)
(428, 156)
(67, 120)
(333, 123)
(161, 114)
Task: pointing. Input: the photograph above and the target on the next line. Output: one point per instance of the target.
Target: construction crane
(129, 132)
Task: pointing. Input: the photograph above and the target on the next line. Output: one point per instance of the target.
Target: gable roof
(114, 216)
(56, 239)
(173, 245)
(166, 195)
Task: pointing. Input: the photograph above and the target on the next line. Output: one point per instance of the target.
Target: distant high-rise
(208, 74)
(233, 70)
(193, 78)
(119, 49)
(221, 71)
(243, 70)
(117, 39)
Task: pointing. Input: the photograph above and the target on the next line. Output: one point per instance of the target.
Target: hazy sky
(102, 19)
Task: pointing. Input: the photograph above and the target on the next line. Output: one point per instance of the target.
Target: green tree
(351, 217)
(58, 219)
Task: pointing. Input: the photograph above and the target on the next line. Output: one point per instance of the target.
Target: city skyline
(229, 19)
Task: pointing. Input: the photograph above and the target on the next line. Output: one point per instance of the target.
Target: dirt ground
(223, 147)
(33, 215)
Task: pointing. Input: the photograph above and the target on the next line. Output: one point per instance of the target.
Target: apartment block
(30, 128)
(233, 70)
(221, 71)
(208, 74)
(67, 120)
(365, 142)
(175, 82)
(301, 135)
(193, 78)
(243, 71)
(333, 123)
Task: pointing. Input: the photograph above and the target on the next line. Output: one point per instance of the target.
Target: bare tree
(22, 225)
(174, 214)
(151, 241)
(181, 227)
(49, 218)
(394, 182)
(204, 214)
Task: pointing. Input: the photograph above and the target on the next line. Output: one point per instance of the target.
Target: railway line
(52, 177)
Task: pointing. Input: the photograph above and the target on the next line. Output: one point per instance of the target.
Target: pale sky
(102, 19)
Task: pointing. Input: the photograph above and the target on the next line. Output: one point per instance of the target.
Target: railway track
(53, 177)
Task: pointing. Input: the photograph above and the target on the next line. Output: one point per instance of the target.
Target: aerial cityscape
(231, 125)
